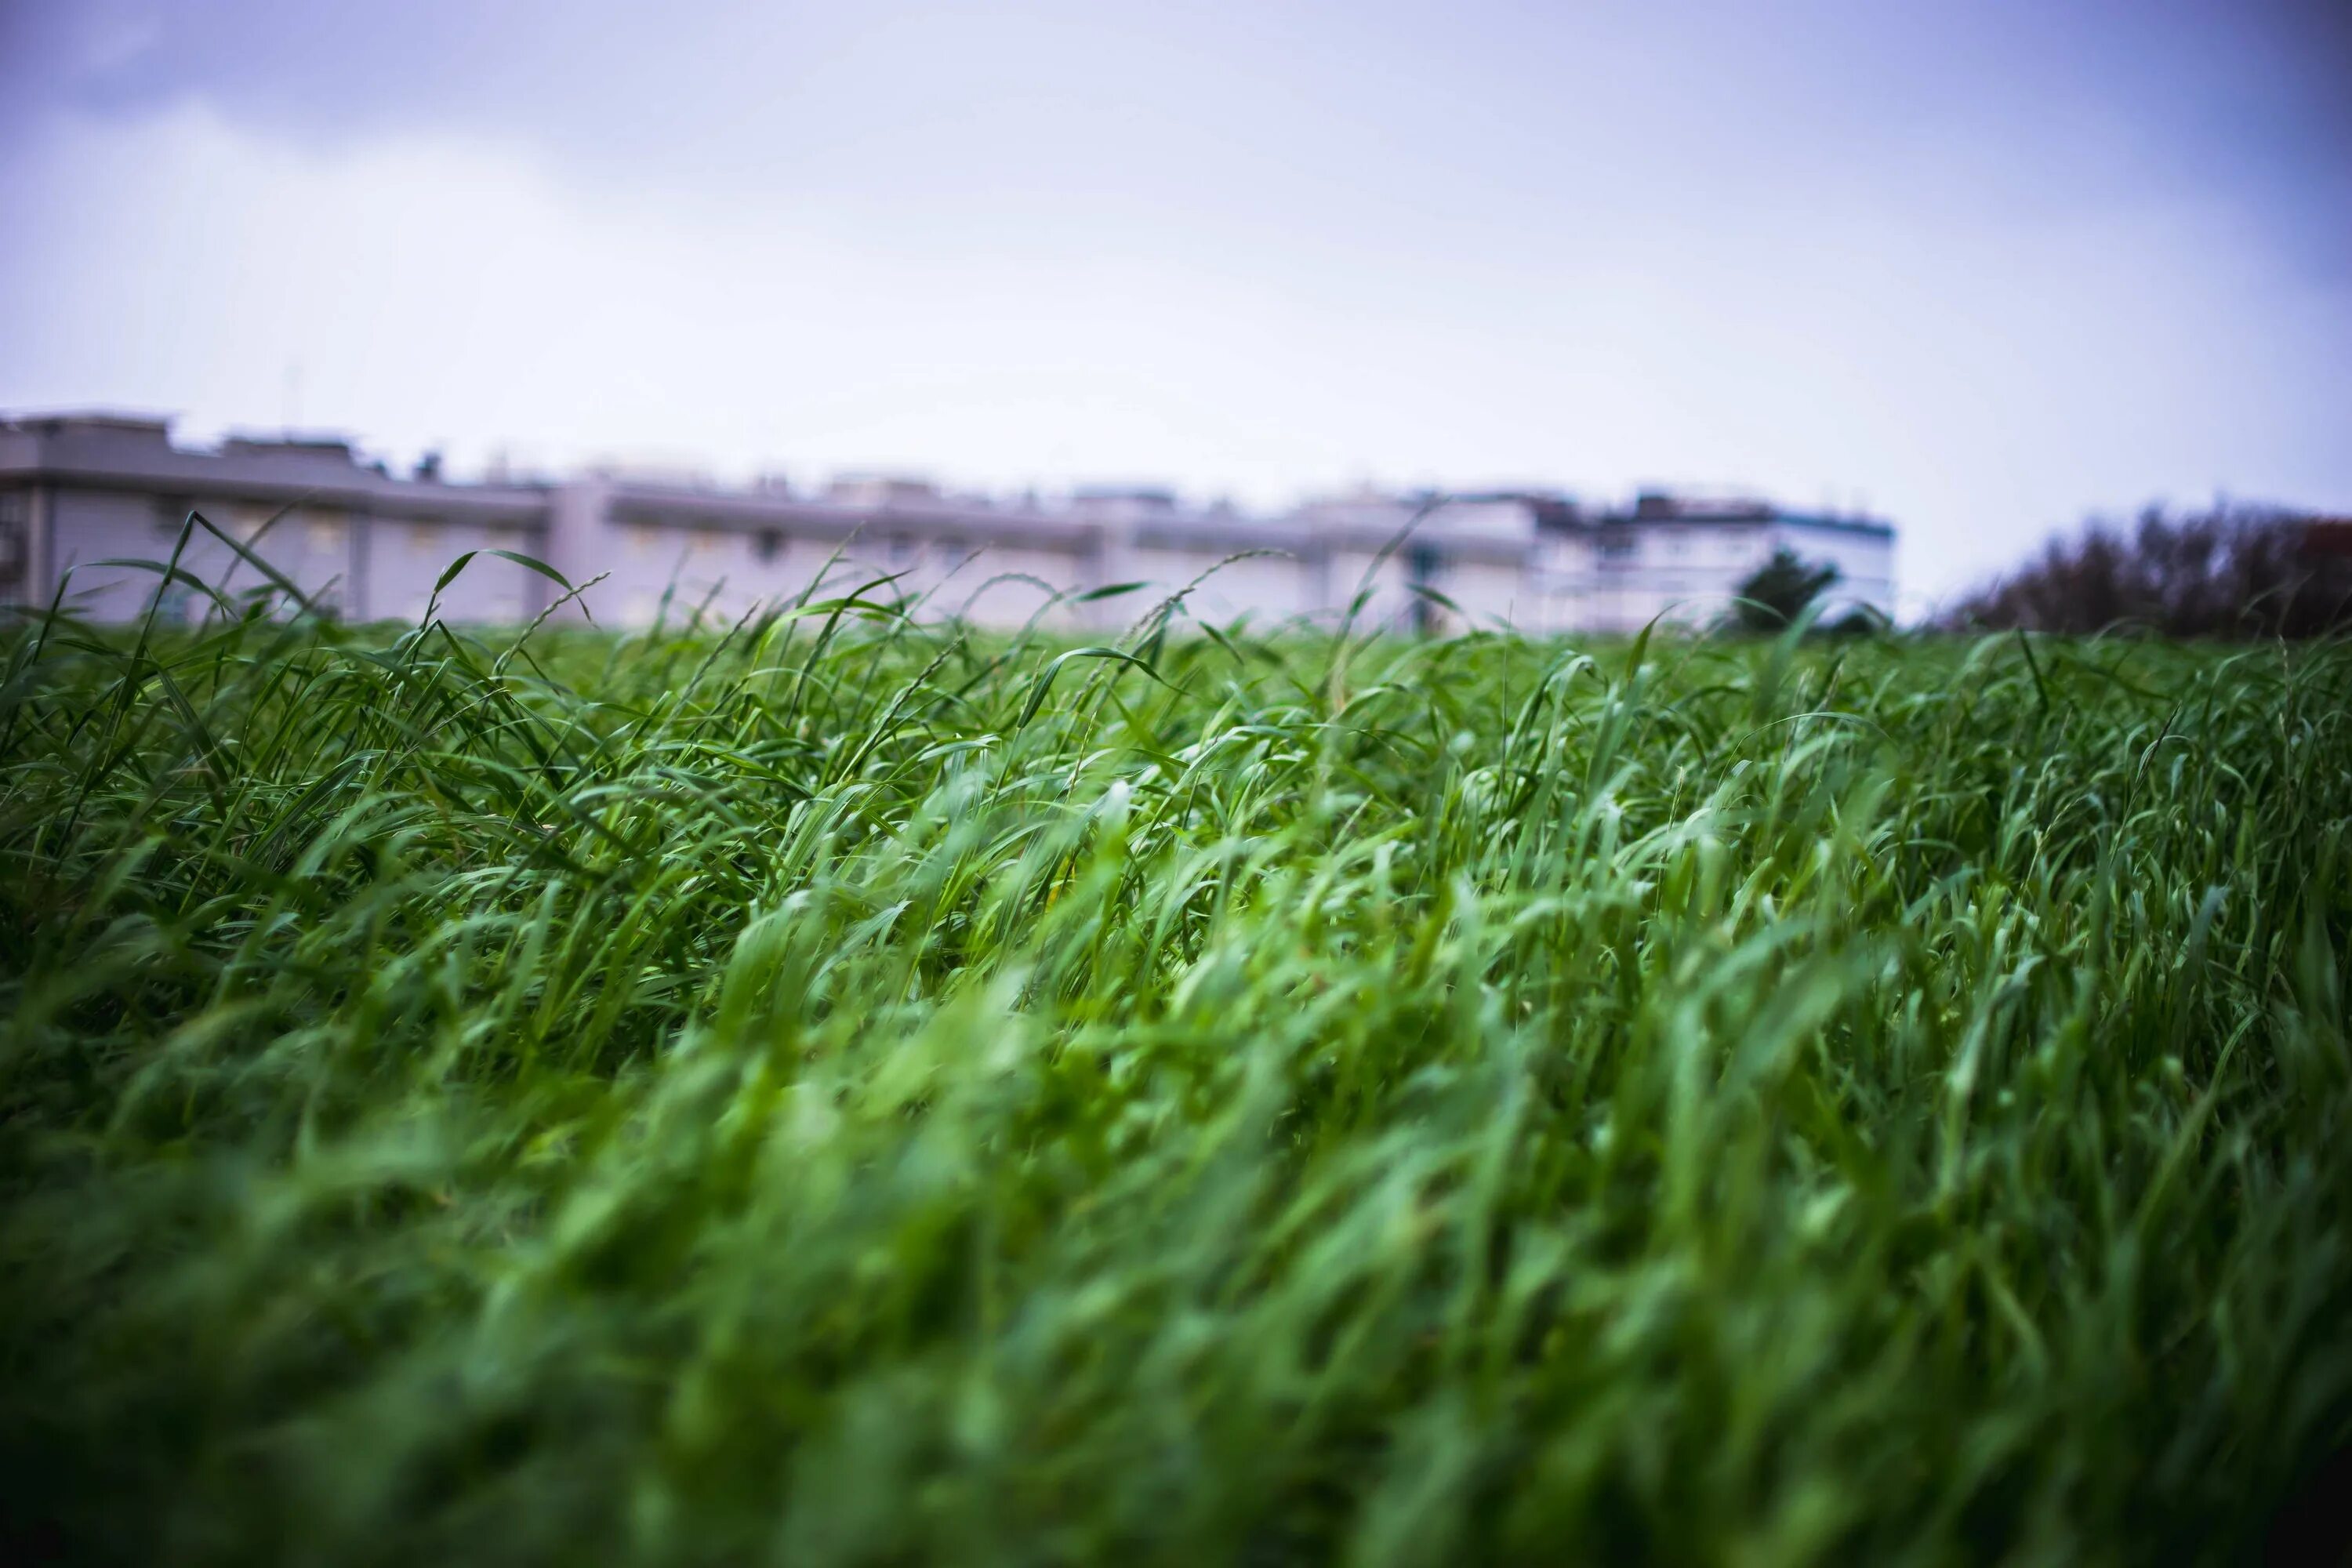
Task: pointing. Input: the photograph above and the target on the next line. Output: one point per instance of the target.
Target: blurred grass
(842, 1089)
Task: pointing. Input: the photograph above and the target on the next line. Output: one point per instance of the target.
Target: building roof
(114, 451)
(1652, 507)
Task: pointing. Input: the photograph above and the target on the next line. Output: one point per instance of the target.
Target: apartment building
(83, 498)
(1680, 557)
(80, 494)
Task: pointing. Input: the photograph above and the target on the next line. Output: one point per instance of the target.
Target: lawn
(842, 1090)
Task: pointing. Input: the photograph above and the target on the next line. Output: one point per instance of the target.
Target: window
(1423, 564)
(769, 545)
(902, 549)
(424, 538)
(326, 533)
(15, 518)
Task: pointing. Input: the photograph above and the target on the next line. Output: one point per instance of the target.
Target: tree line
(2230, 571)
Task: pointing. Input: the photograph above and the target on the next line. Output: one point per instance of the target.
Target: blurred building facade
(85, 497)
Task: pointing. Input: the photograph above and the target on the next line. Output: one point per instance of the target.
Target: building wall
(944, 571)
(1688, 572)
(402, 558)
(1003, 588)
(75, 491)
(773, 568)
(88, 527)
(1349, 568)
(1556, 605)
(1268, 590)
(1561, 594)
(578, 544)
(729, 554)
(1680, 572)
(18, 568)
(355, 566)
(672, 573)
(1865, 562)
(1487, 594)
(375, 566)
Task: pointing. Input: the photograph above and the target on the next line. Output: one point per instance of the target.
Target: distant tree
(2229, 571)
(1779, 591)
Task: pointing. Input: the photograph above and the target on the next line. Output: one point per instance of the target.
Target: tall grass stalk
(843, 1088)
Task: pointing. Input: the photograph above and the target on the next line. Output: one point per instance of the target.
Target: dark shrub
(1779, 591)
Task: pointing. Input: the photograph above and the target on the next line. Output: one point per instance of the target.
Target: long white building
(82, 494)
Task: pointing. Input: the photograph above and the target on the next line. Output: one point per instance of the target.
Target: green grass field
(842, 1091)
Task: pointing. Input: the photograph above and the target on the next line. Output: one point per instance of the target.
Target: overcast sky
(1982, 266)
